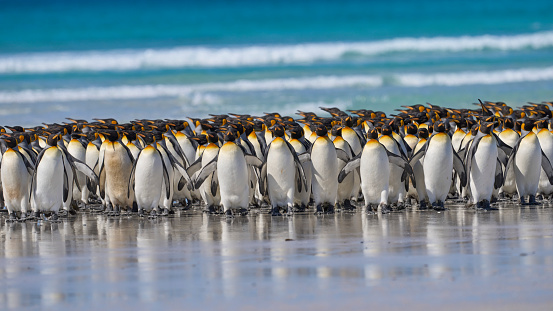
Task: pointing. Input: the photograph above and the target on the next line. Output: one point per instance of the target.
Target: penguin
(231, 165)
(16, 172)
(280, 169)
(324, 158)
(51, 184)
(439, 161)
(525, 159)
(115, 162)
(510, 137)
(484, 170)
(350, 186)
(545, 189)
(78, 151)
(418, 170)
(373, 163)
(301, 146)
(92, 154)
(396, 190)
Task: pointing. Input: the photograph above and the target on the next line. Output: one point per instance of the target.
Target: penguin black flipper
(503, 151)
(80, 166)
(299, 167)
(65, 185)
(407, 169)
(350, 167)
(263, 179)
(194, 167)
(342, 155)
(419, 154)
(165, 176)
(262, 142)
(459, 167)
(176, 146)
(205, 172)
(306, 143)
(30, 166)
(546, 166)
(214, 183)
(498, 181)
(129, 153)
(511, 160)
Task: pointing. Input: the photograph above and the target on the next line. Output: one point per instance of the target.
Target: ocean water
(172, 59)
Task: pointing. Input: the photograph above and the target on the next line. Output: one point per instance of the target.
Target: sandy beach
(456, 259)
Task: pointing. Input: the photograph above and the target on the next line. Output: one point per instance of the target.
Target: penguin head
(11, 142)
(212, 137)
(111, 135)
(423, 133)
(347, 121)
(527, 126)
(441, 127)
(321, 130)
(386, 130)
(336, 131)
(278, 131)
(486, 127)
(372, 134)
(201, 139)
(411, 129)
(541, 124)
(231, 134)
(508, 123)
(296, 132)
(53, 139)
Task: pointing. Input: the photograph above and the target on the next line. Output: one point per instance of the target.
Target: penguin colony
(418, 158)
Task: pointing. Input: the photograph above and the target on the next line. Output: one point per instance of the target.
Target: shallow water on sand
(455, 259)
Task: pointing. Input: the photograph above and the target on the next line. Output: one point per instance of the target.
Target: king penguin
(16, 172)
(439, 161)
(373, 163)
(231, 165)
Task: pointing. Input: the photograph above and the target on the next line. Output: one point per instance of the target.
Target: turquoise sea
(172, 59)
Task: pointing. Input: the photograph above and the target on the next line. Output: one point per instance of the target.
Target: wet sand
(456, 259)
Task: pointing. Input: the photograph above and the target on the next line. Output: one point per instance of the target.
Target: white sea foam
(202, 93)
(189, 91)
(261, 55)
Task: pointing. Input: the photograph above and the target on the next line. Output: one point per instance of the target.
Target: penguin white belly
(281, 173)
(352, 139)
(118, 168)
(302, 197)
(148, 178)
(375, 173)
(232, 173)
(438, 167)
(325, 167)
(210, 153)
(76, 149)
(48, 192)
(546, 142)
(15, 182)
(527, 165)
(91, 159)
(482, 170)
(187, 147)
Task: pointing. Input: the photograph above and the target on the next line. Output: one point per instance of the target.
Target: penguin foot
(23, 217)
(153, 214)
(290, 211)
(319, 209)
(209, 209)
(532, 200)
(275, 211)
(54, 217)
(164, 212)
(348, 206)
(243, 211)
(141, 212)
(423, 205)
(63, 213)
(384, 209)
(400, 206)
(228, 213)
(12, 217)
(329, 208)
(36, 215)
(438, 206)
